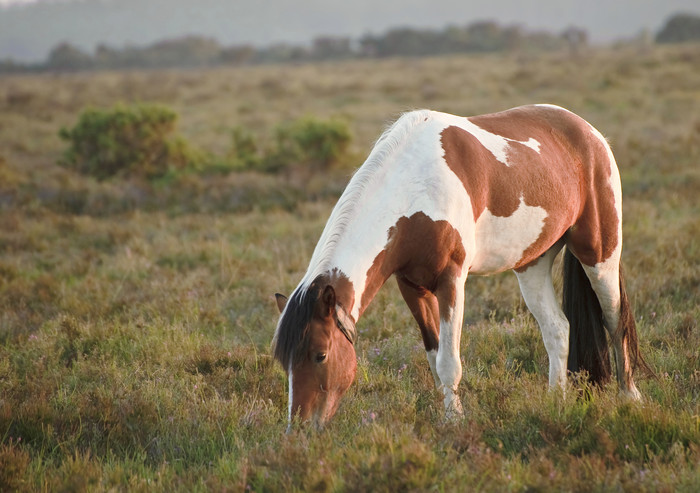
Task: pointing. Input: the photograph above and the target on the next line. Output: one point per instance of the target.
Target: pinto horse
(440, 197)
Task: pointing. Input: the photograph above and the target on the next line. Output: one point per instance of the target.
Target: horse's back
(531, 173)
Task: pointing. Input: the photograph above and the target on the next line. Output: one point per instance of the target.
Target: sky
(30, 28)
(15, 2)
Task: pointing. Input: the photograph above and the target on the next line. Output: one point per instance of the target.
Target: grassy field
(135, 318)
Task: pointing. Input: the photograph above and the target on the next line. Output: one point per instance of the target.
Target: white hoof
(453, 407)
(632, 394)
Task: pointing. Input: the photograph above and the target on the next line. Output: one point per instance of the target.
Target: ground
(135, 319)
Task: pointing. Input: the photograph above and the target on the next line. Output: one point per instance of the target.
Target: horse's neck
(355, 282)
(353, 242)
(353, 262)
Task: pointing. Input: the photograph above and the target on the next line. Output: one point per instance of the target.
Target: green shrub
(244, 153)
(308, 142)
(126, 141)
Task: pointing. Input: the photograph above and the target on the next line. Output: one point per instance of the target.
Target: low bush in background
(140, 141)
(317, 144)
(307, 144)
(126, 141)
(245, 150)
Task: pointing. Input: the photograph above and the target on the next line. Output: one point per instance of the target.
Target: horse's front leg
(424, 307)
(450, 296)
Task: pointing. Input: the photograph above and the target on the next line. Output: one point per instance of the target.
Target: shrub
(680, 28)
(244, 153)
(127, 141)
(309, 142)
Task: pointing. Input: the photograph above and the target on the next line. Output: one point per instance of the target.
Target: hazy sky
(29, 31)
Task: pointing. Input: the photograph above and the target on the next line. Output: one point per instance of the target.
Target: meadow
(136, 317)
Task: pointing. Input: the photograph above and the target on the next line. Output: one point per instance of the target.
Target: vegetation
(136, 317)
(319, 145)
(195, 51)
(198, 51)
(680, 28)
(305, 146)
(125, 141)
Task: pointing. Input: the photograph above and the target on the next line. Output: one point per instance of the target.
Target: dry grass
(135, 319)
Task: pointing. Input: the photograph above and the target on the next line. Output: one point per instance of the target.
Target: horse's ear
(281, 301)
(328, 299)
(346, 324)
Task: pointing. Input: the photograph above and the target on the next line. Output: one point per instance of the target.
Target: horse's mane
(391, 140)
(291, 338)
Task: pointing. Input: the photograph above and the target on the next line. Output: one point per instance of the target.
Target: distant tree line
(680, 28)
(197, 51)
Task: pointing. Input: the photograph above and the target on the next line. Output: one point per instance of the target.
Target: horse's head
(314, 343)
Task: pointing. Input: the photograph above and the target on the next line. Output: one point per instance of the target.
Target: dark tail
(627, 330)
(588, 345)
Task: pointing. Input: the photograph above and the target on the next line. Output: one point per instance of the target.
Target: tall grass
(135, 327)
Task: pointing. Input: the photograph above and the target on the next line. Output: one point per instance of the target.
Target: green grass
(135, 320)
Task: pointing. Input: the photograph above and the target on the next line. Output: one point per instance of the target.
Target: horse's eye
(320, 357)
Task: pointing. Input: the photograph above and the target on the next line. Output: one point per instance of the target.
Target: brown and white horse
(441, 197)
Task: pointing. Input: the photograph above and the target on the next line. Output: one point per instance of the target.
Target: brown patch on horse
(425, 310)
(419, 250)
(569, 156)
(344, 289)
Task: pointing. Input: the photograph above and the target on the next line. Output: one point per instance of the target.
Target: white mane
(391, 140)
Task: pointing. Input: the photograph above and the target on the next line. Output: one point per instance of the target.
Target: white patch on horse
(448, 363)
(531, 143)
(503, 240)
(538, 292)
(553, 106)
(496, 144)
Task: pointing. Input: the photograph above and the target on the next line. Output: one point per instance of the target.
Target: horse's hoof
(453, 409)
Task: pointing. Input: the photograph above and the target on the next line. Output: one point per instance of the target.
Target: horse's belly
(503, 243)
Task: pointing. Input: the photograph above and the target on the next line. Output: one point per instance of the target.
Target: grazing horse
(440, 197)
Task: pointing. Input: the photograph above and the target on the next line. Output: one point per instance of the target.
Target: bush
(314, 144)
(126, 141)
(680, 28)
(244, 153)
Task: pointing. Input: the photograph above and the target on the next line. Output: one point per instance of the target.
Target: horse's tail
(627, 332)
(588, 345)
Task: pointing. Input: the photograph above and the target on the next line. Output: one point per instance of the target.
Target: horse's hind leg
(424, 307)
(538, 291)
(606, 280)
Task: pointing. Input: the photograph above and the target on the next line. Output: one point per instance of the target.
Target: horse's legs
(605, 281)
(537, 289)
(439, 315)
(424, 307)
(450, 295)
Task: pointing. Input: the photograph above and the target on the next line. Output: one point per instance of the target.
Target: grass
(135, 319)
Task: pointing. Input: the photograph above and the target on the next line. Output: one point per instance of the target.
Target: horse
(440, 197)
